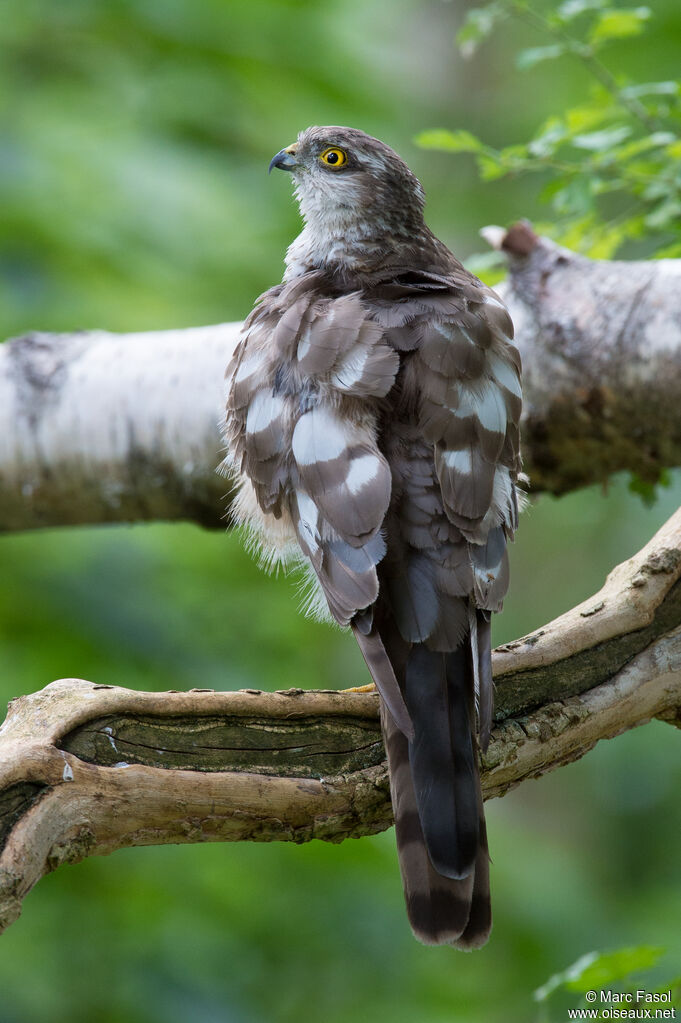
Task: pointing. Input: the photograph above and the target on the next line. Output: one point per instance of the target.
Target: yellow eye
(334, 157)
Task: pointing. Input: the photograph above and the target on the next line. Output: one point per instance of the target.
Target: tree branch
(101, 427)
(601, 348)
(87, 769)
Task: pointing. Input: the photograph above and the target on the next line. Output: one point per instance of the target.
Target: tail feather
(437, 799)
(485, 684)
(479, 924)
(438, 907)
(442, 760)
(383, 674)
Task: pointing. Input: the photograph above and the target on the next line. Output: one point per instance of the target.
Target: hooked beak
(285, 159)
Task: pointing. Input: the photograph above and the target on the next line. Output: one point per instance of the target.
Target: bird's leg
(370, 688)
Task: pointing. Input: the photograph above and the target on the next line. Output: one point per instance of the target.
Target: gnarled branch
(86, 769)
(100, 427)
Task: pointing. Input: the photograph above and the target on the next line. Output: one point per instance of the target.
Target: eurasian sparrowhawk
(372, 421)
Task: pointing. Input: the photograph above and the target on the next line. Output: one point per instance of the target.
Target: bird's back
(372, 420)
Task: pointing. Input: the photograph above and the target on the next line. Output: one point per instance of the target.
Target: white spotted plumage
(372, 421)
(320, 436)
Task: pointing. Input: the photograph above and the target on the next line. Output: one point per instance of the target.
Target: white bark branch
(88, 769)
(101, 427)
(601, 348)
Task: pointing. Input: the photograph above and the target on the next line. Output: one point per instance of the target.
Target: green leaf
(578, 233)
(604, 139)
(613, 24)
(548, 140)
(575, 198)
(589, 115)
(657, 189)
(608, 238)
(511, 156)
(647, 491)
(449, 141)
(572, 9)
(607, 967)
(665, 214)
(478, 25)
(651, 89)
(652, 141)
(551, 188)
(490, 167)
(559, 980)
(598, 969)
(536, 54)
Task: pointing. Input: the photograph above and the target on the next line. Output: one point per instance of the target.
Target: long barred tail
(437, 801)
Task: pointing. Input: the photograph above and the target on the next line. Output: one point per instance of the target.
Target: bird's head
(350, 184)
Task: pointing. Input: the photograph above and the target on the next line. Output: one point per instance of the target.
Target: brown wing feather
(384, 422)
(452, 445)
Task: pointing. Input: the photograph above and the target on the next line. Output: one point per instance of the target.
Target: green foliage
(479, 23)
(609, 165)
(611, 972)
(599, 969)
(134, 142)
(133, 186)
(647, 489)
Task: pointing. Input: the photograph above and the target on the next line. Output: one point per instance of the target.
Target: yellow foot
(371, 688)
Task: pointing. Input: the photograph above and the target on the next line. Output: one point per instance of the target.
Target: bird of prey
(372, 422)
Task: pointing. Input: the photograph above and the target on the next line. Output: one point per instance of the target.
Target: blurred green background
(133, 189)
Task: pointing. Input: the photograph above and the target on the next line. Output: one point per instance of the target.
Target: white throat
(333, 233)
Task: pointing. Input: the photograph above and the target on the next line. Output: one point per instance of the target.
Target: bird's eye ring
(334, 157)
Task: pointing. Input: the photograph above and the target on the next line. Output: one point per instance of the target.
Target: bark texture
(601, 348)
(87, 769)
(98, 427)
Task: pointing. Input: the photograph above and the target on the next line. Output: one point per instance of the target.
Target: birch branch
(87, 769)
(601, 348)
(98, 427)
